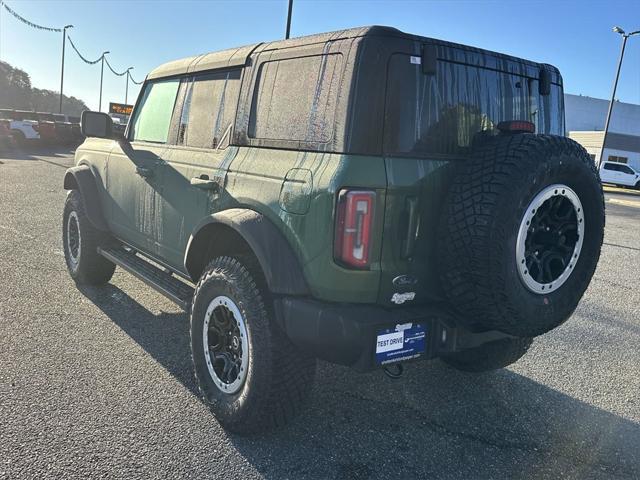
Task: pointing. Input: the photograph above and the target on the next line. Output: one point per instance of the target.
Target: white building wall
(586, 113)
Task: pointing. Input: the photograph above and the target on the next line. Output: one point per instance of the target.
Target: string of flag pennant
(58, 30)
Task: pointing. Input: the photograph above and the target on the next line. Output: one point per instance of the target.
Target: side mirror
(96, 124)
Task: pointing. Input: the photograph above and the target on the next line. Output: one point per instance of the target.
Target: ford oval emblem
(405, 281)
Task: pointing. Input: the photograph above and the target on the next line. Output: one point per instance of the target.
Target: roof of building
(615, 141)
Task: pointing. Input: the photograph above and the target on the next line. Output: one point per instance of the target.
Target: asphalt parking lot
(98, 382)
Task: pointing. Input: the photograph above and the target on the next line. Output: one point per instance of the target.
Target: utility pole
(64, 41)
(126, 91)
(286, 36)
(101, 77)
(615, 86)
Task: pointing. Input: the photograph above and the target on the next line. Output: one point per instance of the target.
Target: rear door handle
(205, 183)
(144, 172)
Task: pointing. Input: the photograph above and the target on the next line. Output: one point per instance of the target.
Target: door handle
(205, 184)
(144, 172)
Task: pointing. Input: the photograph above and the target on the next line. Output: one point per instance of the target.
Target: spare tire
(520, 233)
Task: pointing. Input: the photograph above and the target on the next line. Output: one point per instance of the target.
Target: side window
(295, 99)
(209, 110)
(609, 166)
(152, 117)
(626, 169)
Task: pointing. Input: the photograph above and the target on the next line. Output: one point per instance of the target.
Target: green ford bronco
(366, 197)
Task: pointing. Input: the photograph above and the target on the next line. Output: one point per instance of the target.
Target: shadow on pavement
(628, 191)
(433, 423)
(30, 152)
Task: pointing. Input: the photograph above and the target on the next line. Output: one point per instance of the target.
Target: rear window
(153, 115)
(442, 114)
(295, 99)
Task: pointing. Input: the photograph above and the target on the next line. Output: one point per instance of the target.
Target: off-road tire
(490, 356)
(479, 226)
(91, 268)
(279, 377)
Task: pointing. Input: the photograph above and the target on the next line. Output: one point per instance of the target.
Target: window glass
(295, 99)
(209, 110)
(615, 158)
(609, 166)
(153, 116)
(443, 113)
(626, 169)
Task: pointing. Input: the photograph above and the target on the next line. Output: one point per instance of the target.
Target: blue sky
(575, 36)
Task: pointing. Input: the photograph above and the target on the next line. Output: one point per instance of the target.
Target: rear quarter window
(295, 99)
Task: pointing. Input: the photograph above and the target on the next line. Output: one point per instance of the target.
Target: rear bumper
(346, 333)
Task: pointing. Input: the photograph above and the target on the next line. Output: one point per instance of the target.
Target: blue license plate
(402, 342)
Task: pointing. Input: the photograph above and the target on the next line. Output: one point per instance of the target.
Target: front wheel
(250, 374)
(81, 240)
(490, 356)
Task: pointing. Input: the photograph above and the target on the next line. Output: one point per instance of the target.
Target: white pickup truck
(22, 126)
(619, 174)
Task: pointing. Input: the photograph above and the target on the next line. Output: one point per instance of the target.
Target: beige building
(621, 147)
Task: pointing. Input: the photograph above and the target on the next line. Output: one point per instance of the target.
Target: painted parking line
(626, 203)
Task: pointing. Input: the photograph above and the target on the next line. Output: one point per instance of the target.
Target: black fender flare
(280, 265)
(81, 178)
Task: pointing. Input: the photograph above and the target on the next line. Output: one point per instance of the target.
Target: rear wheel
(250, 374)
(81, 240)
(521, 233)
(490, 356)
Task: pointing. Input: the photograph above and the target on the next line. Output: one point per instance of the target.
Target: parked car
(619, 174)
(24, 125)
(6, 137)
(367, 197)
(58, 129)
(76, 131)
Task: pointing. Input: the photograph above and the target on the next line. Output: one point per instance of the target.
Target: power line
(27, 22)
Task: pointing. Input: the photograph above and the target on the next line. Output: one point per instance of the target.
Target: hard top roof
(237, 57)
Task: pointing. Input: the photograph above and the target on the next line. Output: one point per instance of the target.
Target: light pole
(64, 41)
(615, 86)
(286, 35)
(126, 91)
(101, 77)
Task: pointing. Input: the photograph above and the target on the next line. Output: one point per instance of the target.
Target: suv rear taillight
(354, 218)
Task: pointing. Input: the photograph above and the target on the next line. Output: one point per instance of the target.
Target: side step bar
(165, 283)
